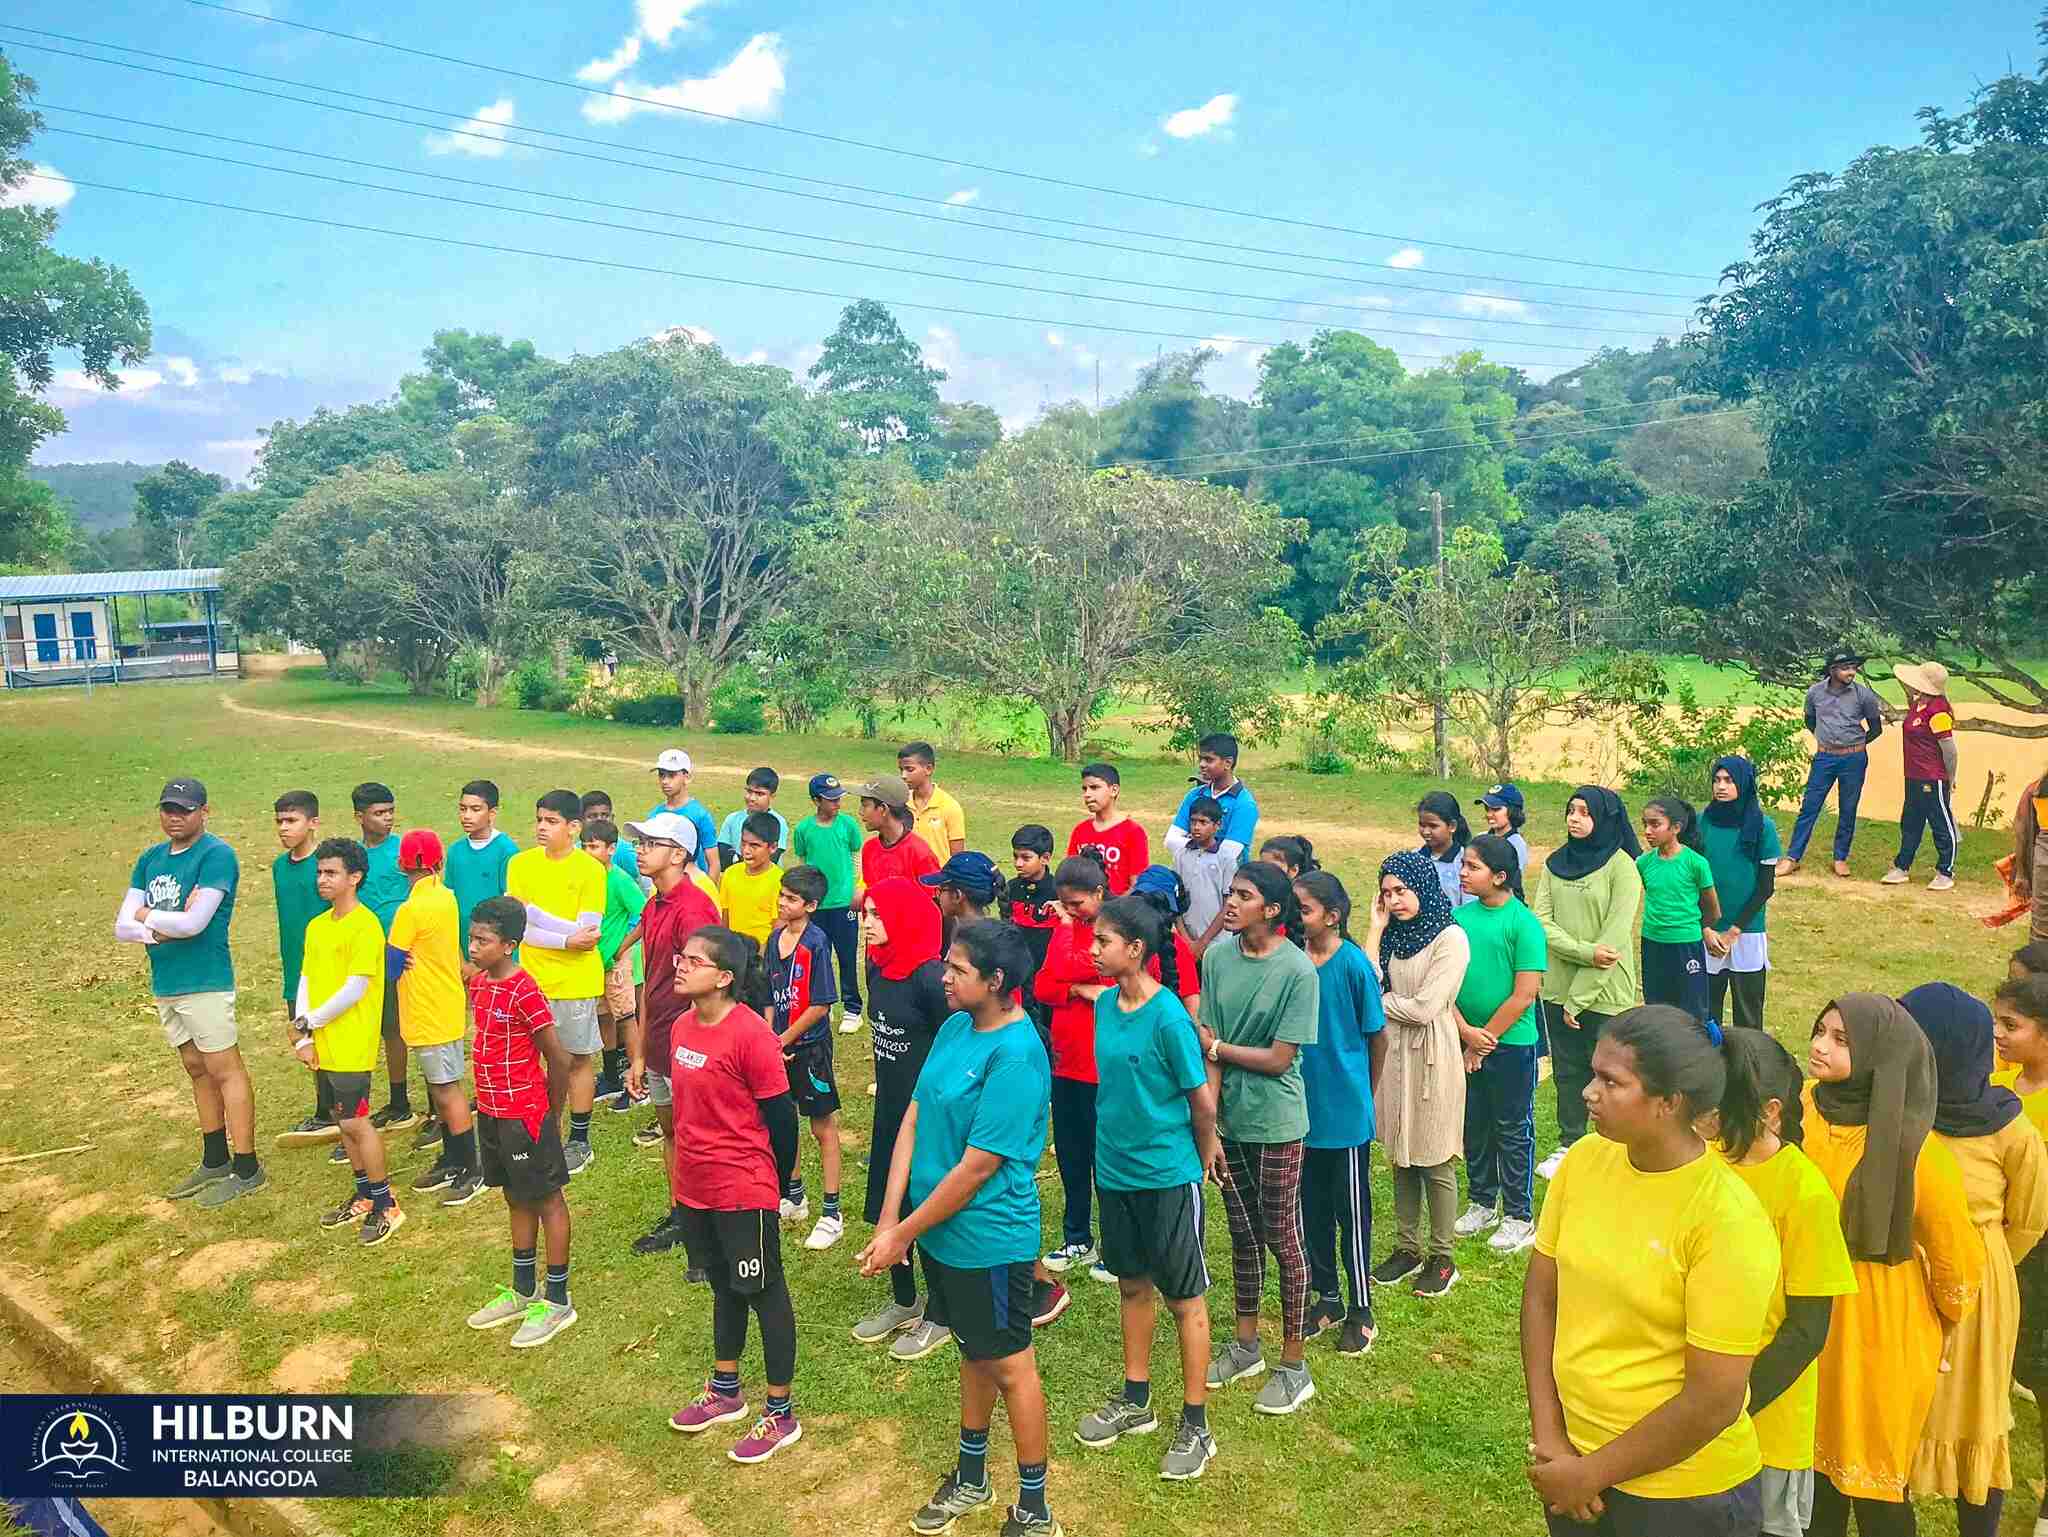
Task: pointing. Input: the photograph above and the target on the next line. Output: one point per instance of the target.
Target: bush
(739, 708)
(1671, 751)
(530, 683)
(464, 669)
(649, 710)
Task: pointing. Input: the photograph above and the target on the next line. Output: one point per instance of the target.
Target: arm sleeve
(1365, 985)
(778, 1114)
(2026, 1194)
(1766, 884)
(1053, 982)
(1233, 853)
(300, 1004)
(1562, 945)
(346, 997)
(206, 902)
(1873, 715)
(1942, 1226)
(128, 925)
(1449, 954)
(544, 931)
(1791, 1350)
(1812, 724)
(1176, 838)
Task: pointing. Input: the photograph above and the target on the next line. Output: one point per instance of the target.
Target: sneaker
(467, 1187)
(606, 1089)
(501, 1309)
(1395, 1268)
(1513, 1236)
(885, 1321)
(1842, 868)
(1359, 1334)
(796, 1211)
(1324, 1313)
(352, 1209)
(849, 1024)
(380, 1225)
(1893, 877)
(708, 1408)
(206, 1174)
(949, 1502)
(1234, 1361)
(1049, 1299)
(439, 1177)
(1101, 1272)
(648, 1135)
(827, 1232)
(578, 1156)
(771, 1433)
(1286, 1390)
(1549, 1167)
(1190, 1453)
(919, 1341)
(1477, 1219)
(544, 1320)
(1071, 1254)
(233, 1188)
(623, 1103)
(308, 1132)
(1114, 1420)
(432, 1134)
(1019, 1523)
(339, 1154)
(388, 1119)
(1438, 1276)
(1942, 883)
(662, 1237)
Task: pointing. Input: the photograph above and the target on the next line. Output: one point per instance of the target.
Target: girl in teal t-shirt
(1679, 901)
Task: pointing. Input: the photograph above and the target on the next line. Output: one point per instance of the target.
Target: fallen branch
(48, 1152)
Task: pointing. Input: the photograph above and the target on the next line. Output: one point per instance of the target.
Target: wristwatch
(1215, 1045)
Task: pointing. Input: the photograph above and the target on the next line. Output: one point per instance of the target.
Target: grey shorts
(207, 1020)
(576, 1025)
(440, 1064)
(1788, 1501)
(658, 1092)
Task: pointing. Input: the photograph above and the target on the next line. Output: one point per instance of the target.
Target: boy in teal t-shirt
(1679, 900)
(476, 861)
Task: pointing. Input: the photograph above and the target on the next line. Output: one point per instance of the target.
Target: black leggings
(1874, 1518)
(903, 1287)
(1748, 988)
(778, 1323)
(1073, 1149)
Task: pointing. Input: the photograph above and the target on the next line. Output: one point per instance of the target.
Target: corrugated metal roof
(105, 584)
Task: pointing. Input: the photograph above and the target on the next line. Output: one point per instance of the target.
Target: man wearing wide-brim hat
(1928, 738)
(1845, 717)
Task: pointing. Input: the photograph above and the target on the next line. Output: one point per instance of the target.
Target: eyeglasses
(689, 962)
(655, 843)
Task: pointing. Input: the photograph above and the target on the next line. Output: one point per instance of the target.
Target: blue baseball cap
(826, 787)
(1502, 798)
(972, 872)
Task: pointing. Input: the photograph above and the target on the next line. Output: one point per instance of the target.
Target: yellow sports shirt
(939, 821)
(430, 991)
(337, 949)
(565, 888)
(748, 900)
(2035, 1104)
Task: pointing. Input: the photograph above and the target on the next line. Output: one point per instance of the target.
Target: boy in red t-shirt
(1106, 835)
(519, 1145)
(1927, 737)
(895, 849)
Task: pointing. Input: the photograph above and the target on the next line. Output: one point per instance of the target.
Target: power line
(703, 277)
(947, 160)
(955, 218)
(863, 245)
(761, 250)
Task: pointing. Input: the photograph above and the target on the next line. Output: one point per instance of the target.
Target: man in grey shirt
(1845, 717)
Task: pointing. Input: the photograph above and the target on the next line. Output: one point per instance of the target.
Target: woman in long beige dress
(1965, 1446)
(1419, 1103)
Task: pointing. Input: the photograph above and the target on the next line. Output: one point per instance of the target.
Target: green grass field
(1425, 1435)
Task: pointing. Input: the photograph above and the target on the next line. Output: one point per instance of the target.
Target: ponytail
(1134, 918)
(1679, 814)
(1759, 1071)
(1678, 1055)
(1500, 857)
(1299, 853)
(1275, 890)
(1444, 806)
(1328, 893)
(738, 954)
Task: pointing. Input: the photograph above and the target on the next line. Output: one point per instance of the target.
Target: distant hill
(100, 496)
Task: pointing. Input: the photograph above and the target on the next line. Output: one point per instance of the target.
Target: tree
(35, 530)
(1692, 453)
(233, 522)
(1041, 581)
(964, 432)
(469, 374)
(168, 507)
(877, 378)
(1564, 479)
(1889, 321)
(1170, 421)
(297, 454)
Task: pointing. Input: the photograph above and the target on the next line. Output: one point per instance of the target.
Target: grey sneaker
(501, 1309)
(1017, 1523)
(885, 1321)
(648, 1135)
(919, 1341)
(1285, 1391)
(1476, 1219)
(544, 1320)
(206, 1174)
(578, 1156)
(1191, 1452)
(948, 1504)
(1119, 1417)
(233, 1188)
(1234, 1361)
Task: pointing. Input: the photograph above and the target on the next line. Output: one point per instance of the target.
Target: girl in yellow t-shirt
(1761, 1129)
(1638, 1337)
(2020, 1019)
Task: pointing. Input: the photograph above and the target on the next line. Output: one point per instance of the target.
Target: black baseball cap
(185, 794)
(1842, 656)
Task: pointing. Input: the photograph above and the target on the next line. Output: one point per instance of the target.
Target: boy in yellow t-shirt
(337, 1025)
(748, 892)
(563, 891)
(425, 964)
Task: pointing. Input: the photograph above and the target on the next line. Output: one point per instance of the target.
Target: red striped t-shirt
(511, 1076)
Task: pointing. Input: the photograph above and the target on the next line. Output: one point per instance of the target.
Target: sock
(1195, 1415)
(245, 1166)
(558, 1284)
(794, 1191)
(380, 1195)
(614, 1063)
(1139, 1393)
(401, 1098)
(778, 1405)
(902, 1285)
(213, 1148)
(1294, 1366)
(363, 1186)
(323, 1098)
(831, 1203)
(522, 1271)
(579, 1126)
(973, 1458)
(1031, 1490)
(460, 1150)
(727, 1384)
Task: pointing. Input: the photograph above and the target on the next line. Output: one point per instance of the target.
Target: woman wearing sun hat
(1927, 736)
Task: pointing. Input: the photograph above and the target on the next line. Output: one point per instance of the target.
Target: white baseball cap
(674, 761)
(667, 827)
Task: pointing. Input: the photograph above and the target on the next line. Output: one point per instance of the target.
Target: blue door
(46, 637)
(84, 645)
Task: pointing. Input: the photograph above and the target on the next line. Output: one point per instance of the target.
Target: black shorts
(811, 1083)
(528, 1169)
(741, 1251)
(988, 1310)
(1156, 1233)
(349, 1093)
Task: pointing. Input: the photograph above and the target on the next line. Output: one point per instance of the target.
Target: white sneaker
(1893, 877)
(1942, 883)
(795, 1211)
(849, 1024)
(826, 1233)
(1476, 1220)
(1514, 1236)
(1071, 1254)
(1101, 1272)
(1549, 1167)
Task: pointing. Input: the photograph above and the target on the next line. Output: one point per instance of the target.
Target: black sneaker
(308, 1132)
(380, 1225)
(389, 1119)
(1398, 1266)
(339, 1155)
(606, 1089)
(431, 1134)
(648, 1135)
(662, 1237)
(439, 1177)
(697, 1275)
(1324, 1314)
(952, 1501)
(467, 1187)
(1359, 1333)
(1438, 1276)
(1018, 1523)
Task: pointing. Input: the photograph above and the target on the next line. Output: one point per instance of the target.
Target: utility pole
(1435, 507)
(1098, 386)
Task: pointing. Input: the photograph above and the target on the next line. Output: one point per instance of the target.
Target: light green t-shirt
(1504, 939)
(1671, 895)
(832, 847)
(1252, 1001)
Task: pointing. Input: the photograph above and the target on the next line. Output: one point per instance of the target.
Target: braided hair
(1328, 893)
(1141, 921)
(1275, 890)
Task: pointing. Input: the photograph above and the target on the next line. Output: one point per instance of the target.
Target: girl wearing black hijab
(1741, 844)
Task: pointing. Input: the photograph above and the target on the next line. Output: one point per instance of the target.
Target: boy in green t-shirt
(1679, 901)
(831, 841)
(294, 881)
(622, 963)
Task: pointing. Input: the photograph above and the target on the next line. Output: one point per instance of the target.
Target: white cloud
(485, 135)
(684, 333)
(614, 64)
(1223, 344)
(1054, 339)
(44, 187)
(1491, 304)
(749, 84)
(134, 381)
(1194, 122)
(235, 457)
(1406, 257)
(183, 371)
(660, 20)
(234, 373)
(964, 196)
(758, 355)
(1147, 149)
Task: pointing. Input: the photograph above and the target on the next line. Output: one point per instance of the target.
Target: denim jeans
(1829, 770)
(1500, 1130)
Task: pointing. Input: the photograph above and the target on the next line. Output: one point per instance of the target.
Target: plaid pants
(1262, 1202)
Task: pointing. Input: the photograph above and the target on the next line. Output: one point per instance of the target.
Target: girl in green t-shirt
(1679, 901)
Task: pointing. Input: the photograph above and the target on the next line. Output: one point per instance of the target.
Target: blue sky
(1596, 133)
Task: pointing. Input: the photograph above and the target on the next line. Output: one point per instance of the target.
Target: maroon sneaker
(708, 1408)
(1048, 1301)
(771, 1433)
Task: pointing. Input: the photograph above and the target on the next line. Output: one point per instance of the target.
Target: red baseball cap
(420, 849)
